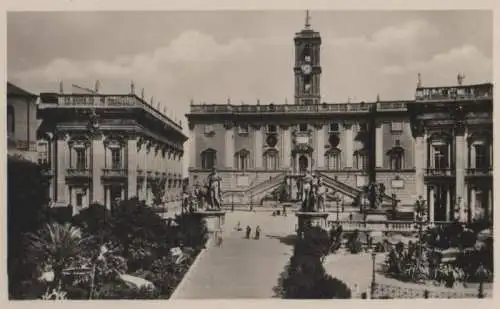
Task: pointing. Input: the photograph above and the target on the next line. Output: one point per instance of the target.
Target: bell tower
(307, 69)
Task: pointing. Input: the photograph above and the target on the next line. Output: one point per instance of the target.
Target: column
(472, 156)
(192, 147)
(257, 146)
(448, 204)
(460, 169)
(229, 145)
(348, 142)
(379, 150)
(490, 205)
(286, 151)
(320, 145)
(431, 204)
(97, 152)
(108, 197)
(144, 157)
(61, 164)
(419, 165)
(132, 166)
(473, 202)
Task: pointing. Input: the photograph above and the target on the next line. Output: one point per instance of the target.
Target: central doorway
(303, 164)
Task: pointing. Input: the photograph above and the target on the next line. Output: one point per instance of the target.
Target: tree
(27, 199)
(57, 247)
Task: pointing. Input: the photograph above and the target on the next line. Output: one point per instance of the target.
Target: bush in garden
(120, 290)
(193, 231)
(305, 276)
(27, 200)
(354, 244)
(166, 273)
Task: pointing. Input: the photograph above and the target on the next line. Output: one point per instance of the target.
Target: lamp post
(372, 289)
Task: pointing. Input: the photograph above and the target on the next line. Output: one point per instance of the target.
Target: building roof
(13, 90)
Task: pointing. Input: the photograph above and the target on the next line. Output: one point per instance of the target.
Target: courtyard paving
(241, 268)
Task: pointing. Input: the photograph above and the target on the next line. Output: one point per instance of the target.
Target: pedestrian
(350, 216)
(238, 226)
(249, 230)
(257, 232)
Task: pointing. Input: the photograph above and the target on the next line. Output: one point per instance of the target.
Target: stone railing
(465, 93)
(408, 291)
(386, 226)
(109, 101)
(484, 171)
(299, 109)
(439, 172)
(78, 172)
(114, 172)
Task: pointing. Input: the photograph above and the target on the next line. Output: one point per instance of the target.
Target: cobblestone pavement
(241, 268)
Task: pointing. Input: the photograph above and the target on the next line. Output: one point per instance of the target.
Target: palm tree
(57, 245)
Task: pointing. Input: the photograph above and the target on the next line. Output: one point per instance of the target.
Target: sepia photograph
(271, 154)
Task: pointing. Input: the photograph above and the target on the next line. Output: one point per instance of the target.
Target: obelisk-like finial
(61, 87)
(419, 80)
(308, 20)
(132, 87)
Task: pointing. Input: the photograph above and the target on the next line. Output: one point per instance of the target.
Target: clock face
(306, 69)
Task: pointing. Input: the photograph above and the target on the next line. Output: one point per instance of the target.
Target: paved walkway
(241, 268)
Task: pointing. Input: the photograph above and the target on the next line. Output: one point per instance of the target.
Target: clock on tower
(307, 68)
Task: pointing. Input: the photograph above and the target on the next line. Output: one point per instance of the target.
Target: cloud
(442, 68)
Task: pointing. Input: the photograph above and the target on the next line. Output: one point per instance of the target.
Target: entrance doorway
(115, 196)
(303, 164)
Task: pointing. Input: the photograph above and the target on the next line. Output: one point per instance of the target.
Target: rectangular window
(271, 128)
(396, 126)
(209, 129)
(116, 160)
(243, 129)
(81, 158)
(334, 127)
(79, 199)
(481, 156)
(43, 153)
(441, 157)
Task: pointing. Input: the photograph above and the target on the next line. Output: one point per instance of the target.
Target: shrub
(354, 244)
(120, 290)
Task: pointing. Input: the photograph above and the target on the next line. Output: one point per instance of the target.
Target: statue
(376, 192)
(214, 193)
(320, 194)
(284, 193)
(306, 190)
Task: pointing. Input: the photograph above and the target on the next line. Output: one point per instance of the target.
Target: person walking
(248, 232)
(257, 232)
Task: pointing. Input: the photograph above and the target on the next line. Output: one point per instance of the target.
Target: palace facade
(438, 146)
(99, 148)
(21, 122)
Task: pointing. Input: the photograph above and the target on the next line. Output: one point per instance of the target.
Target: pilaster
(257, 147)
(460, 149)
(286, 151)
(62, 163)
(132, 166)
(97, 149)
(348, 142)
(320, 145)
(229, 145)
(379, 147)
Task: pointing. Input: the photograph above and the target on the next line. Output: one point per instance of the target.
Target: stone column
(419, 165)
(320, 145)
(431, 203)
(98, 158)
(286, 149)
(257, 146)
(472, 207)
(379, 151)
(229, 145)
(490, 205)
(348, 144)
(472, 156)
(460, 168)
(192, 146)
(448, 204)
(132, 166)
(61, 164)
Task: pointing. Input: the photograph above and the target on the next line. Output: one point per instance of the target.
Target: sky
(213, 56)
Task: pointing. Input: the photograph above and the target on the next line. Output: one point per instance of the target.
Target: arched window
(208, 158)
(79, 154)
(11, 120)
(242, 159)
(115, 147)
(332, 157)
(396, 157)
(440, 151)
(480, 151)
(271, 159)
(361, 159)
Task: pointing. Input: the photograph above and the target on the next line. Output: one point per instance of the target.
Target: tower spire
(308, 20)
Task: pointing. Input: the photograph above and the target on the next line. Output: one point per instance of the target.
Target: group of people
(248, 231)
